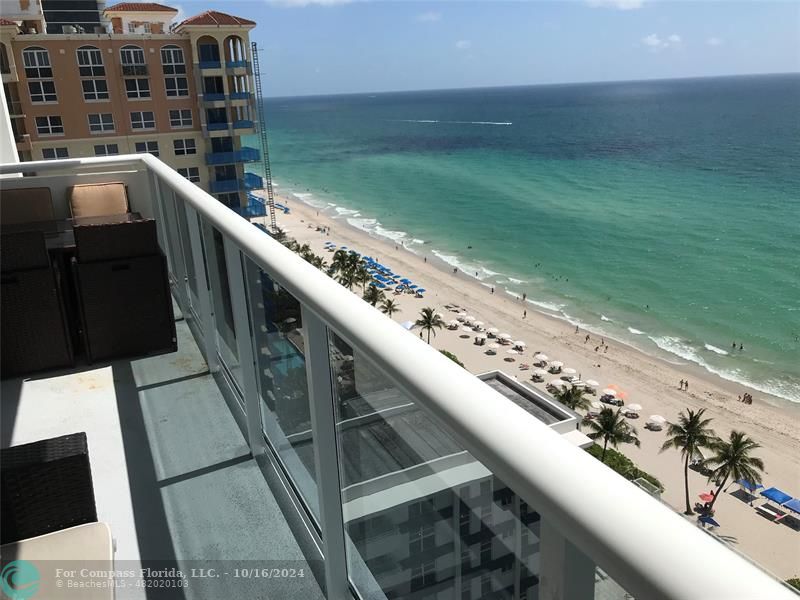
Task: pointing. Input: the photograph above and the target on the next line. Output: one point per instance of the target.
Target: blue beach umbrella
(405, 280)
(420, 291)
(380, 285)
(413, 286)
(709, 521)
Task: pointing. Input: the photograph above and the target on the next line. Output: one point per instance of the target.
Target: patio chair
(97, 199)
(46, 486)
(31, 308)
(26, 205)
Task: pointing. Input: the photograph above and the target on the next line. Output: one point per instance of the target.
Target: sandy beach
(646, 380)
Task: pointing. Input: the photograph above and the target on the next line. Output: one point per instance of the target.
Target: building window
(50, 125)
(230, 199)
(131, 28)
(147, 27)
(151, 147)
(37, 63)
(137, 88)
(42, 91)
(177, 87)
(101, 123)
(106, 149)
(143, 120)
(184, 147)
(132, 55)
(192, 174)
(172, 60)
(54, 153)
(95, 89)
(90, 62)
(180, 118)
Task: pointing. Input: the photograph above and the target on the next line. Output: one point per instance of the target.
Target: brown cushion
(97, 199)
(26, 205)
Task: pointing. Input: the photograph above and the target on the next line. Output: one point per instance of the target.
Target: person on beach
(524, 297)
(741, 347)
(596, 348)
(680, 385)
(524, 314)
(587, 338)
(577, 329)
(424, 259)
(493, 290)
(733, 345)
(606, 350)
(686, 386)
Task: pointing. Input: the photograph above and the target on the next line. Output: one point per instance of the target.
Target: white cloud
(714, 41)
(429, 17)
(617, 4)
(655, 42)
(300, 3)
(463, 44)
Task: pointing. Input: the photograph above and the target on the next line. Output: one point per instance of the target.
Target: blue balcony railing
(240, 96)
(217, 126)
(235, 64)
(250, 181)
(210, 64)
(255, 208)
(243, 124)
(246, 154)
(213, 97)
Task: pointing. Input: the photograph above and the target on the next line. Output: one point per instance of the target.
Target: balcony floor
(172, 473)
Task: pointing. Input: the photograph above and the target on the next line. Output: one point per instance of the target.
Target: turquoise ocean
(664, 214)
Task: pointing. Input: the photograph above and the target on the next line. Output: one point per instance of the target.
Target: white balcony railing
(588, 514)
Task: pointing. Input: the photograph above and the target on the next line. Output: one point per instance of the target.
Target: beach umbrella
(569, 371)
(504, 336)
(520, 344)
(597, 406)
(511, 351)
(706, 497)
(481, 336)
(466, 329)
(469, 318)
(453, 323)
(413, 286)
(708, 521)
(478, 324)
(539, 372)
(380, 285)
(343, 248)
(541, 357)
(634, 407)
(492, 330)
(557, 364)
(556, 383)
(591, 383)
(407, 324)
(405, 280)
(493, 346)
(420, 291)
(610, 392)
(657, 419)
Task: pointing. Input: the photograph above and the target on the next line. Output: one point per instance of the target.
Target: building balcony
(297, 428)
(223, 126)
(240, 96)
(236, 64)
(213, 97)
(134, 70)
(209, 64)
(243, 124)
(246, 154)
(250, 181)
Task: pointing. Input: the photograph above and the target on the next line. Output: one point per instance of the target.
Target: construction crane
(262, 130)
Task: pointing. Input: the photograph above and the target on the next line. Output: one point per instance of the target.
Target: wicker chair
(46, 486)
(32, 315)
(123, 290)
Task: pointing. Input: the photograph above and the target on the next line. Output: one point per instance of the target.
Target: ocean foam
(345, 212)
(548, 306)
(605, 318)
(716, 350)
(635, 331)
(455, 122)
(302, 195)
(517, 281)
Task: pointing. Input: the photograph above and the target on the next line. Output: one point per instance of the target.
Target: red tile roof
(6, 22)
(140, 7)
(212, 17)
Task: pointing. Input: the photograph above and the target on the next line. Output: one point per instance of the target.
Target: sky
(349, 46)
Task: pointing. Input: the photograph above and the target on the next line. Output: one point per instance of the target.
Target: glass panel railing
(422, 517)
(221, 299)
(279, 351)
(606, 588)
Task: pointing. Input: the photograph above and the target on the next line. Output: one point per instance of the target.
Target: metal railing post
(326, 456)
(244, 343)
(203, 291)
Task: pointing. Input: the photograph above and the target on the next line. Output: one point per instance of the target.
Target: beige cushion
(86, 546)
(97, 199)
(26, 205)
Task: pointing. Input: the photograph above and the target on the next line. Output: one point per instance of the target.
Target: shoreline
(648, 380)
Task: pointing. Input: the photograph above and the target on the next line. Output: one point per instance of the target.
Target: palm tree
(346, 278)
(428, 321)
(732, 459)
(339, 263)
(572, 397)
(389, 307)
(373, 295)
(612, 427)
(362, 276)
(319, 262)
(689, 435)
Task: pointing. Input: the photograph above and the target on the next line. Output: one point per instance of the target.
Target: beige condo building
(95, 81)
